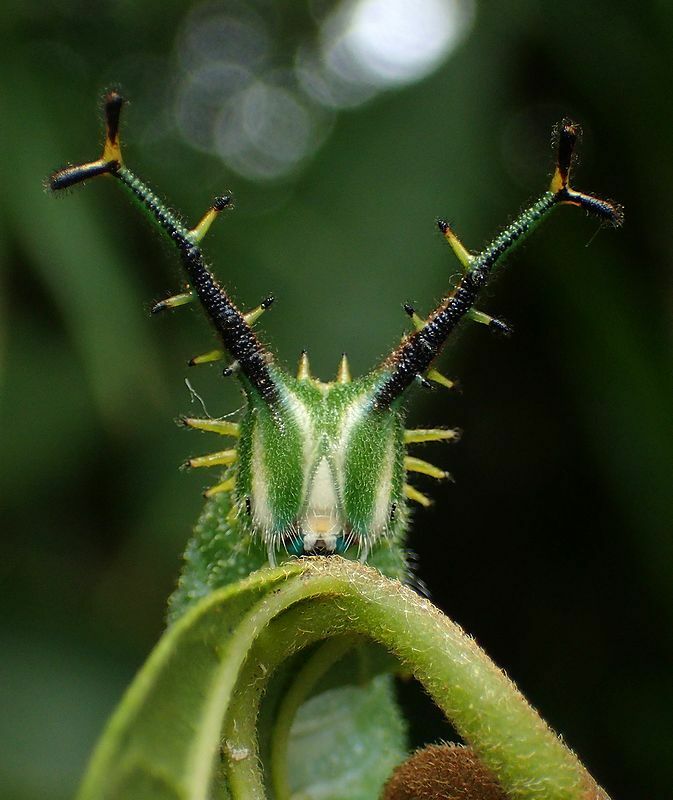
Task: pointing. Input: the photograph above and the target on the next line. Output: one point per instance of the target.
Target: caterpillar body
(323, 467)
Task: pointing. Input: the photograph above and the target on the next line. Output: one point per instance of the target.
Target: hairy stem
(211, 668)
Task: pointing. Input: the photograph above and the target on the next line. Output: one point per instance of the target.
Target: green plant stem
(481, 702)
(233, 640)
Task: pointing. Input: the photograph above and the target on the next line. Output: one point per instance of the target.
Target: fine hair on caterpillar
(323, 467)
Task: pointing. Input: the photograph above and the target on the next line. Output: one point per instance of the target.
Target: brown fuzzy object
(443, 772)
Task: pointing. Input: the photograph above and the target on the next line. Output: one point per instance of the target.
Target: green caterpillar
(321, 467)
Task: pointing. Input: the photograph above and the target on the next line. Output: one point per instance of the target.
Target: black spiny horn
(232, 326)
(419, 349)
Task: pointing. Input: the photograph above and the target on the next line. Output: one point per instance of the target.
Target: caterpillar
(323, 467)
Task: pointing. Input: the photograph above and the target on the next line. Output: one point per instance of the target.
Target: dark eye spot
(393, 512)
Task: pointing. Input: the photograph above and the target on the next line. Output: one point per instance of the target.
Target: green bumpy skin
(319, 467)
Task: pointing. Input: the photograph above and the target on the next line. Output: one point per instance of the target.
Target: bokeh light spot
(393, 42)
(264, 132)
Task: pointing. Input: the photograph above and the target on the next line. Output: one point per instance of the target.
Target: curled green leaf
(190, 718)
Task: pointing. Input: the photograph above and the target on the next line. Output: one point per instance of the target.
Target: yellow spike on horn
(416, 321)
(437, 377)
(201, 228)
(252, 316)
(112, 148)
(461, 252)
(175, 301)
(206, 358)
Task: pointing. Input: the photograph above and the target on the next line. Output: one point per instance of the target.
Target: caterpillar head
(324, 471)
(320, 467)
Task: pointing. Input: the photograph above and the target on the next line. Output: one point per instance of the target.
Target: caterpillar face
(323, 473)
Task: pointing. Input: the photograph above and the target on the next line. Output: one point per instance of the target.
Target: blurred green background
(344, 129)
